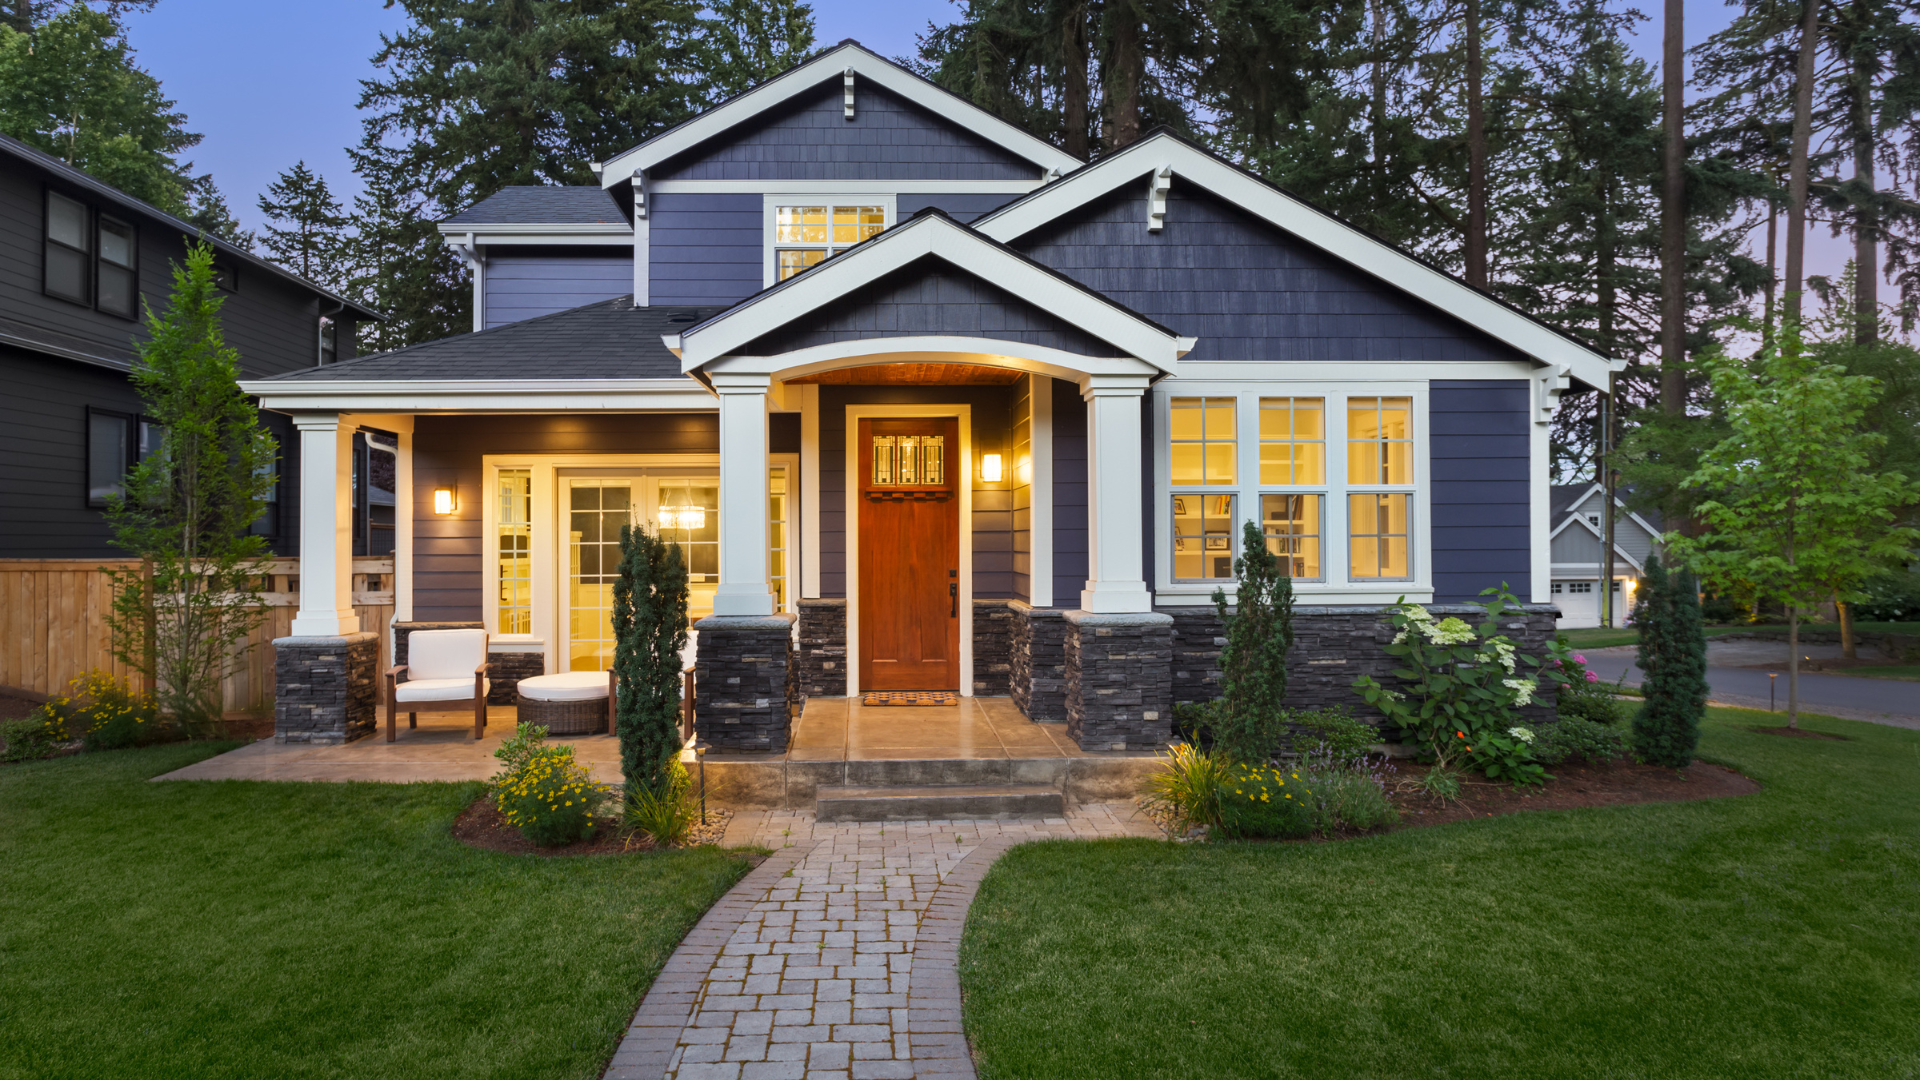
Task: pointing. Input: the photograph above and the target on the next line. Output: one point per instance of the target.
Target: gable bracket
(1548, 385)
(847, 87)
(1157, 188)
(639, 194)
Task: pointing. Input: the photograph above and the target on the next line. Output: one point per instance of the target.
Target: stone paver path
(836, 957)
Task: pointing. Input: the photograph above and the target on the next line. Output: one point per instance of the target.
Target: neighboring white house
(1578, 550)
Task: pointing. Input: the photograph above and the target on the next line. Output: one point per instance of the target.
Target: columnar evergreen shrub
(1673, 656)
(1250, 714)
(650, 629)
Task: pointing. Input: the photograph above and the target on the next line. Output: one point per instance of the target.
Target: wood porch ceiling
(914, 375)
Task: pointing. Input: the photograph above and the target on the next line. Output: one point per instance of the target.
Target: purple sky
(271, 83)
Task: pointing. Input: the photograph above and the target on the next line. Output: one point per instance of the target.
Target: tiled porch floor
(830, 729)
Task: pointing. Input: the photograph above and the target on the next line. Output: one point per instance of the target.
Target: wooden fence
(53, 625)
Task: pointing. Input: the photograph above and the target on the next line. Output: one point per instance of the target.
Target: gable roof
(1565, 500)
(543, 204)
(832, 65)
(931, 234)
(1186, 161)
(81, 179)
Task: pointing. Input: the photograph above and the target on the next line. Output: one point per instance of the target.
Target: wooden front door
(910, 473)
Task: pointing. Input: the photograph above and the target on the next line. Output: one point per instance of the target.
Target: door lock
(953, 595)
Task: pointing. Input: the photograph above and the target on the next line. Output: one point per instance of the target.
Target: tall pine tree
(306, 229)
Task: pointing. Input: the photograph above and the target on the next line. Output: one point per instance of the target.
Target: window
(806, 235)
(1379, 453)
(111, 451)
(117, 274)
(1379, 440)
(1203, 540)
(68, 275)
(1580, 586)
(268, 523)
(1377, 532)
(1292, 527)
(1293, 441)
(329, 341)
(1204, 447)
(513, 502)
(224, 278)
(1557, 590)
(779, 518)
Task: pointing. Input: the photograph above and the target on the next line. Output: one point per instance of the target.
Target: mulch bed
(481, 825)
(16, 708)
(1575, 785)
(1799, 733)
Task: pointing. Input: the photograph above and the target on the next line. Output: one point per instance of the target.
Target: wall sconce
(990, 468)
(443, 500)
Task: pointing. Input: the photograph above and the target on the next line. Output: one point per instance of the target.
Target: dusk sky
(272, 83)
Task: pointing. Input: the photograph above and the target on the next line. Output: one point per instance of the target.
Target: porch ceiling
(914, 375)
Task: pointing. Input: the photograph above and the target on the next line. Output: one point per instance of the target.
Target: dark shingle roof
(607, 339)
(542, 204)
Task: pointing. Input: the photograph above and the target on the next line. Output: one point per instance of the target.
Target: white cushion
(566, 686)
(445, 654)
(439, 689)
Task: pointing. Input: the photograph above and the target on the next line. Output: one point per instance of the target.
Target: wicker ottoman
(570, 703)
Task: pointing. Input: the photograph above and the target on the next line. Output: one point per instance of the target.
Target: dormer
(538, 249)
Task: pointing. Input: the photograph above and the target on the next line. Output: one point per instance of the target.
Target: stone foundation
(1119, 680)
(993, 647)
(510, 664)
(822, 662)
(324, 688)
(1037, 662)
(747, 685)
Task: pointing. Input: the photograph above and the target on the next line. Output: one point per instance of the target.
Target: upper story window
(225, 279)
(807, 234)
(91, 259)
(69, 250)
(329, 340)
(1204, 446)
(119, 284)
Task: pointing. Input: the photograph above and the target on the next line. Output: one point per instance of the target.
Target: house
(79, 261)
(1579, 553)
(929, 405)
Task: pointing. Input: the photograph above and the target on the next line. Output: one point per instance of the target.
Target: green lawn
(1771, 935)
(1889, 671)
(240, 929)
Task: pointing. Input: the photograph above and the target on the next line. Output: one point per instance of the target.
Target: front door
(909, 473)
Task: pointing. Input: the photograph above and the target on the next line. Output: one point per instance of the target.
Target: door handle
(953, 594)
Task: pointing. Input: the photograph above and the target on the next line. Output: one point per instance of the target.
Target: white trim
(810, 490)
(326, 524)
(983, 352)
(1337, 238)
(1546, 387)
(772, 200)
(832, 65)
(642, 259)
(535, 230)
(854, 414)
(1573, 511)
(936, 236)
(1347, 371)
(830, 187)
(1040, 575)
(481, 395)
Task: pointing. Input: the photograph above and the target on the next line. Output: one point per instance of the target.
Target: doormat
(910, 697)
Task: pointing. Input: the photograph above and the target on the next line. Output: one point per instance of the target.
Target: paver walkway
(836, 957)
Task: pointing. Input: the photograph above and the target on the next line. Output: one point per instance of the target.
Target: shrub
(36, 735)
(1247, 721)
(1345, 797)
(1721, 609)
(1888, 597)
(1332, 738)
(1577, 737)
(664, 819)
(550, 799)
(1260, 801)
(107, 714)
(1186, 793)
(1673, 653)
(1584, 696)
(514, 753)
(649, 629)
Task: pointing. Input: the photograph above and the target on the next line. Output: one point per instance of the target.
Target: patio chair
(443, 668)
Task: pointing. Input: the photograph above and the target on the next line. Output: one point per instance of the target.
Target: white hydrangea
(1450, 631)
(1418, 619)
(1503, 651)
(1522, 690)
(1524, 734)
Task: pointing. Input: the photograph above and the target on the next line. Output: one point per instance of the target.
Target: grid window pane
(852, 224)
(1203, 537)
(697, 532)
(779, 516)
(801, 225)
(1202, 433)
(596, 511)
(116, 243)
(1380, 440)
(1377, 531)
(1292, 527)
(66, 221)
(1293, 441)
(792, 262)
(806, 235)
(513, 506)
(107, 456)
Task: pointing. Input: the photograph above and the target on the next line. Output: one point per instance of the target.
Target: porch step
(855, 803)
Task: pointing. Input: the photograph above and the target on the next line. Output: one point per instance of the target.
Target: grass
(1889, 671)
(242, 929)
(1770, 935)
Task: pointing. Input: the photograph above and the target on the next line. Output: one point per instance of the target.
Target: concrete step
(846, 802)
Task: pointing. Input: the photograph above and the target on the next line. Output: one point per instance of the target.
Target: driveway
(1737, 674)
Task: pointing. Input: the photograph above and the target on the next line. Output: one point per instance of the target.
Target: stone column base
(746, 682)
(823, 648)
(1037, 662)
(1119, 680)
(325, 688)
(992, 647)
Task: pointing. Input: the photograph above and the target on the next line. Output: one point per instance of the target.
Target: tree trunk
(1074, 91)
(1799, 166)
(1793, 664)
(1866, 226)
(1476, 239)
(1378, 106)
(1849, 648)
(1123, 88)
(1773, 274)
(1673, 220)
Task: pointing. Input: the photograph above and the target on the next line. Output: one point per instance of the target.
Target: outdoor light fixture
(690, 518)
(443, 500)
(990, 468)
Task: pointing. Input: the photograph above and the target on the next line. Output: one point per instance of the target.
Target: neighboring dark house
(77, 260)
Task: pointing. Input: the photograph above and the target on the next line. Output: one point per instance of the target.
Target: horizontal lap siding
(704, 249)
(1248, 290)
(448, 449)
(887, 139)
(521, 287)
(1480, 458)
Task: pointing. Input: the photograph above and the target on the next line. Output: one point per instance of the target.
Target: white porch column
(1115, 516)
(744, 589)
(326, 524)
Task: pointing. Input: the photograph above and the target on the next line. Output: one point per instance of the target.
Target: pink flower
(1591, 677)
(1578, 659)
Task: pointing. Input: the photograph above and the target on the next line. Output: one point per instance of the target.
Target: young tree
(1253, 666)
(650, 629)
(306, 230)
(1673, 655)
(187, 509)
(1795, 510)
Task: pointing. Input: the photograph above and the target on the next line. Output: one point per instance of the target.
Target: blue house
(930, 405)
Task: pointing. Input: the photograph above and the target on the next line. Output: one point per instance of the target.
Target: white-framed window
(1380, 460)
(1293, 456)
(804, 230)
(1203, 459)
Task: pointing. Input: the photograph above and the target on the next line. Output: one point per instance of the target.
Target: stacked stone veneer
(746, 682)
(324, 688)
(993, 647)
(1119, 680)
(508, 668)
(1037, 664)
(822, 659)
